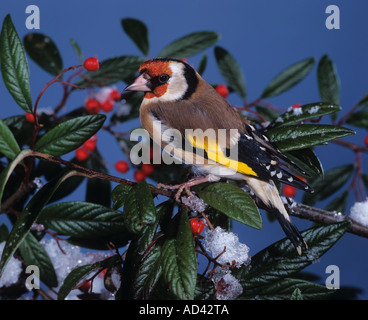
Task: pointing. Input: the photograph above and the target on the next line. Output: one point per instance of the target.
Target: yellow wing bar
(215, 153)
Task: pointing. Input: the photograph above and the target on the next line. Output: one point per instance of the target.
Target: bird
(191, 121)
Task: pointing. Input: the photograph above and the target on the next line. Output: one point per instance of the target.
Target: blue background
(264, 37)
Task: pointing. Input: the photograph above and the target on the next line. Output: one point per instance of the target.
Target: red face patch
(155, 68)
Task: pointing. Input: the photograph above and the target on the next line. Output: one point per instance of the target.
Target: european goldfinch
(189, 119)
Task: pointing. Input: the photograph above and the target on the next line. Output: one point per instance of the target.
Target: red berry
(296, 105)
(197, 226)
(85, 286)
(107, 106)
(139, 176)
(90, 145)
(81, 154)
(121, 166)
(115, 95)
(91, 64)
(94, 137)
(30, 117)
(222, 90)
(147, 168)
(289, 191)
(93, 106)
(366, 141)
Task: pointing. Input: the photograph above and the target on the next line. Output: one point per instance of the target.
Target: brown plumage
(177, 99)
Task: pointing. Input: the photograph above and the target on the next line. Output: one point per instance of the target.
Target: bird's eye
(163, 78)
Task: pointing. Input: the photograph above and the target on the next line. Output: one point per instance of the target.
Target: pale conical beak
(140, 84)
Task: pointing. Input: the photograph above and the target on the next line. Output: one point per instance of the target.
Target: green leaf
(69, 135)
(112, 70)
(138, 32)
(307, 160)
(33, 253)
(288, 288)
(296, 295)
(14, 65)
(230, 71)
(179, 262)
(139, 209)
(202, 64)
(189, 45)
(326, 186)
(364, 101)
(4, 232)
(303, 136)
(79, 273)
(119, 195)
(339, 203)
(28, 216)
(233, 202)
(280, 260)
(82, 219)
(8, 145)
(359, 119)
(142, 267)
(308, 111)
(328, 81)
(5, 173)
(98, 190)
(44, 52)
(77, 49)
(288, 78)
(365, 180)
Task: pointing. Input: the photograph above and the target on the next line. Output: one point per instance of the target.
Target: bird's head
(165, 79)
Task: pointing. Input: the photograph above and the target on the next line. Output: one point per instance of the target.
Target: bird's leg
(183, 186)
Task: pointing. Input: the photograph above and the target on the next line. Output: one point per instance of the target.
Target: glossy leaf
(293, 289)
(142, 266)
(328, 81)
(69, 135)
(280, 260)
(14, 65)
(44, 52)
(112, 70)
(79, 273)
(77, 49)
(189, 45)
(138, 32)
(119, 195)
(331, 182)
(8, 145)
(339, 203)
(28, 216)
(82, 219)
(139, 209)
(233, 202)
(98, 190)
(202, 64)
(33, 253)
(364, 101)
(303, 136)
(288, 78)
(230, 71)
(359, 119)
(305, 112)
(5, 173)
(307, 160)
(179, 262)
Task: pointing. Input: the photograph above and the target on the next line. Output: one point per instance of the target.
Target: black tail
(290, 230)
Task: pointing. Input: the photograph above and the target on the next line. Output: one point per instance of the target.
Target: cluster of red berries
(145, 170)
(103, 100)
(82, 153)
